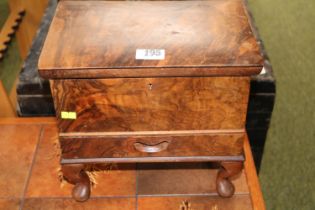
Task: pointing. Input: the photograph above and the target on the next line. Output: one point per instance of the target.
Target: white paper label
(263, 71)
(150, 54)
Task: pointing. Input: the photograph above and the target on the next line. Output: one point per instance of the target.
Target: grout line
(137, 185)
(32, 165)
(128, 196)
(91, 198)
(28, 121)
(9, 198)
(214, 195)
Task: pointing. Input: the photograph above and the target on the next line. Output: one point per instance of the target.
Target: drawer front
(151, 104)
(152, 146)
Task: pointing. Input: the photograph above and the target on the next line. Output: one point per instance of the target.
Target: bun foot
(81, 192)
(75, 174)
(225, 187)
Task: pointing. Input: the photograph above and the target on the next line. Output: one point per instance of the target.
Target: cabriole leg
(225, 187)
(75, 174)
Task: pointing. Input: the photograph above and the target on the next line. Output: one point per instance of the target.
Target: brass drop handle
(159, 147)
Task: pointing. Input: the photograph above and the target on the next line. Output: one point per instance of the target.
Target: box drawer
(152, 146)
(151, 104)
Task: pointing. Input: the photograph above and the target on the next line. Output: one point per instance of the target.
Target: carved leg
(225, 188)
(75, 174)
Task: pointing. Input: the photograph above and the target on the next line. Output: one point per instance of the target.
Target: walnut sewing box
(150, 81)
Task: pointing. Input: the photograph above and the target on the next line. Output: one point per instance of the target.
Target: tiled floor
(29, 179)
(181, 179)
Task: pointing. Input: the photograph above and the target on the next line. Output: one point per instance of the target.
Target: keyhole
(150, 86)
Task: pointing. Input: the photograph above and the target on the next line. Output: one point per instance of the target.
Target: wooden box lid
(100, 39)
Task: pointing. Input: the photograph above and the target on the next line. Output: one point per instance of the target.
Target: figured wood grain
(151, 104)
(124, 147)
(99, 39)
(117, 101)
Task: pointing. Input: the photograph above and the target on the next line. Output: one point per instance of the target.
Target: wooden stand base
(75, 174)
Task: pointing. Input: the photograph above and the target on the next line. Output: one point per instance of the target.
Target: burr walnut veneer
(150, 81)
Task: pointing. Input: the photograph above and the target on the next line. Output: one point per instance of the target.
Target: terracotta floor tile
(9, 204)
(182, 178)
(239, 202)
(69, 204)
(119, 181)
(44, 177)
(17, 147)
(44, 182)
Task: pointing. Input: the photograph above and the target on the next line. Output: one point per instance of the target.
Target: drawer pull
(142, 147)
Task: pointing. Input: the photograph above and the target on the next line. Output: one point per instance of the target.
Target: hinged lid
(94, 39)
